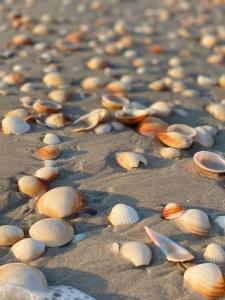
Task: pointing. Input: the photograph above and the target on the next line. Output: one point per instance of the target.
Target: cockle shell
(151, 125)
(175, 140)
(130, 116)
(118, 87)
(32, 186)
(28, 249)
(130, 160)
(53, 79)
(18, 113)
(183, 129)
(14, 125)
(59, 95)
(173, 251)
(57, 120)
(114, 102)
(205, 279)
(160, 109)
(10, 234)
(21, 40)
(47, 173)
(92, 83)
(217, 110)
(60, 202)
(53, 232)
(51, 139)
(172, 211)
(204, 137)
(176, 72)
(122, 214)
(209, 162)
(169, 153)
(96, 63)
(214, 253)
(46, 106)
(48, 152)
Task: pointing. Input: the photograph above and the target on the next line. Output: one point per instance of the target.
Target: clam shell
(205, 279)
(103, 128)
(53, 232)
(204, 137)
(92, 83)
(169, 153)
(18, 113)
(160, 109)
(211, 129)
(28, 249)
(206, 81)
(114, 102)
(183, 129)
(130, 116)
(48, 152)
(10, 234)
(151, 125)
(96, 63)
(14, 125)
(122, 214)
(176, 72)
(32, 186)
(118, 88)
(53, 79)
(209, 162)
(60, 202)
(130, 160)
(173, 251)
(214, 253)
(47, 173)
(172, 211)
(46, 106)
(57, 120)
(158, 86)
(217, 110)
(175, 140)
(59, 95)
(51, 139)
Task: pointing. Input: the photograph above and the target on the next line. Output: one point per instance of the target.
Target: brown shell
(32, 186)
(48, 152)
(46, 106)
(152, 125)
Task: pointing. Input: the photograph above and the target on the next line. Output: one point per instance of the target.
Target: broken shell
(96, 63)
(217, 110)
(103, 128)
(117, 126)
(92, 83)
(172, 211)
(204, 137)
(209, 41)
(160, 109)
(169, 153)
(206, 81)
(122, 214)
(173, 251)
(10, 234)
(51, 139)
(28, 249)
(32, 186)
(183, 129)
(57, 120)
(137, 253)
(130, 160)
(158, 86)
(40, 29)
(14, 125)
(60, 202)
(47, 173)
(53, 232)
(18, 113)
(53, 79)
(130, 116)
(209, 162)
(118, 88)
(46, 106)
(48, 152)
(15, 78)
(151, 125)
(60, 95)
(205, 279)
(214, 253)
(175, 140)
(114, 102)
(222, 81)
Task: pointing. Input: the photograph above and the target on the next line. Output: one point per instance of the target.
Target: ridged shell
(151, 125)
(130, 160)
(203, 137)
(46, 106)
(28, 249)
(169, 153)
(130, 116)
(18, 113)
(114, 102)
(160, 109)
(175, 140)
(53, 79)
(47, 173)
(14, 125)
(214, 253)
(51, 139)
(172, 211)
(217, 110)
(32, 186)
(209, 162)
(122, 214)
(10, 234)
(48, 152)
(183, 129)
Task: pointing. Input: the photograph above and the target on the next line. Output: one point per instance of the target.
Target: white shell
(209, 162)
(176, 72)
(51, 139)
(130, 160)
(122, 214)
(206, 81)
(170, 153)
(183, 129)
(203, 137)
(28, 249)
(214, 253)
(14, 125)
(18, 112)
(10, 234)
(103, 128)
(160, 109)
(47, 173)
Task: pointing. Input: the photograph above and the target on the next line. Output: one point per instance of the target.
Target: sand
(87, 161)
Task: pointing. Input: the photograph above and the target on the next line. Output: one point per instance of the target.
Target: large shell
(151, 125)
(130, 116)
(172, 211)
(51, 139)
(28, 249)
(60, 202)
(96, 63)
(169, 153)
(48, 152)
(173, 251)
(183, 129)
(175, 140)
(217, 110)
(214, 253)
(130, 160)
(47, 173)
(160, 109)
(58, 120)
(10, 234)
(32, 186)
(46, 106)
(204, 137)
(122, 214)
(206, 279)
(53, 232)
(14, 125)
(210, 163)
(114, 102)
(53, 79)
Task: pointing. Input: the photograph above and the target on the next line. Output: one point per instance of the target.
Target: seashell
(15, 78)
(183, 129)
(173, 251)
(53, 79)
(208, 41)
(175, 140)
(57, 120)
(48, 152)
(211, 129)
(46, 106)
(23, 275)
(74, 37)
(60, 202)
(158, 86)
(10, 234)
(215, 59)
(28, 249)
(160, 109)
(18, 113)
(40, 29)
(214, 253)
(92, 83)
(14, 125)
(176, 72)
(118, 88)
(174, 61)
(51, 139)
(210, 163)
(103, 128)
(206, 81)
(53, 232)
(205, 279)
(114, 102)
(169, 153)
(130, 116)
(139, 62)
(96, 63)
(203, 137)
(117, 126)
(47, 173)
(20, 40)
(156, 49)
(151, 125)
(50, 163)
(130, 160)
(122, 214)
(178, 87)
(190, 93)
(26, 101)
(137, 253)
(32, 186)
(127, 79)
(194, 221)
(220, 222)
(60, 95)
(172, 211)
(222, 81)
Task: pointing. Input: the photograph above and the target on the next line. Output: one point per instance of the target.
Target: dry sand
(87, 163)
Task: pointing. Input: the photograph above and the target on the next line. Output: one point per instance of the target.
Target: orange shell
(172, 211)
(48, 152)
(151, 125)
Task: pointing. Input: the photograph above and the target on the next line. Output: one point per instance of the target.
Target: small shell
(190, 93)
(53, 79)
(114, 102)
(183, 129)
(215, 59)
(205, 279)
(209, 162)
(15, 78)
(204, 137)
(50, 163)
(57, 120)
(211, 129)
(10, 234)
(32, 186)
(48, 152)
(122, 214)
(46, 106)
(217, 110)
(118, 88)
(172, 211)
(214, 253)
(222, 81)
(176, 72)
(208, 41)
(220, 222)
(151, 125)
(169, 153)
(175, 140)
(103, 128)
(130, 116)
(130, 160)
(47, 173)
(173, 251)
(96, 63)
(92, 83)
(51, 139)
(60, 95)
(206, 81)
(160, 109)
(14, 125)
(18, 113)
(28, 249)
(27, 87)
(158, 86)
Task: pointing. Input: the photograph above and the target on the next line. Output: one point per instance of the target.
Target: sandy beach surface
(88, 161)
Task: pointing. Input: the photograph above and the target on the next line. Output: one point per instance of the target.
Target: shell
(96, 63)
(211, 129)
(18, 113)
(137, 253)
(40, 29)
(53, 79)
(220, 222)
(20, 274)
(160, 109)
(28, 249)
(158, 86)
(92, 83)
(217, 110)
(51, 139)
(15, 78)
(57, 120)
(151, 125)
(47, 173)
(194, 221)
(117, 126)
(208, 41)
(130, 116)
(14, 125)
(114, 102)
(103, 128)
(46, 106)
(175, 140)
(32, 186)
(183, 129)
(176, 72)
(169, 153)
(10, 234)
(130, 160)
(222, 81)
(118, 88)
(53, 232)
(122, 214)
(50, 163)
(60, 95)
(60, 202)
(206, 81)
(214, 253)
(209, 162)
(172, 211)
(173, 251)
(48, 152)
(205, 279)
(21, 40)
(204, 137)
